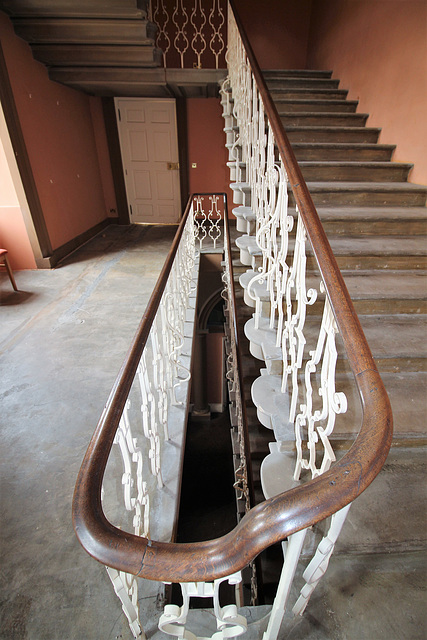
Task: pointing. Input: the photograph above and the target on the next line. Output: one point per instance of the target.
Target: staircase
(105, 48)
(376, 222)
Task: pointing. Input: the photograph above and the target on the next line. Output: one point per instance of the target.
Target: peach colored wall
(206, 148)
(13, 234)
(278, 31)
(59, 134)
(14, 238)
(378, 49)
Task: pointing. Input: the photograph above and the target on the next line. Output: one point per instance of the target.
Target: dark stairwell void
(208, 500)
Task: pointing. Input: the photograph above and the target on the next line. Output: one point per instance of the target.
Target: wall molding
(75, 243)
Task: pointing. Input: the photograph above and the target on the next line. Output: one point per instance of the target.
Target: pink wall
(278, 31)
(14, 238)
(378, 49)
(59, 134)
(13, 233)
(206, 148)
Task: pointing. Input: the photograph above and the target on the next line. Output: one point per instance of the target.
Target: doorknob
(173, 166)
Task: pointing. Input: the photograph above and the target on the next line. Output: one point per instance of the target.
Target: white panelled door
(149, 146)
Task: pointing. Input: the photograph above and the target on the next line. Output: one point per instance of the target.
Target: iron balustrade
(282, 314)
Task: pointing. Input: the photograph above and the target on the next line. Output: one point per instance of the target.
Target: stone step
(296, 93)
(354, 152)
(289, 82)
(332, 134)
(76, 9)
(287, 105)
(399, 194)
(270, 74)
(54, 30)
(354, 171)
(408, 399)
(97, 55)
(386, 292)
(379, 252)
(304, 119)
(350, 193)
(374, 220)
(391, 525)
(372, 292)
(398, 343)
(361, 252)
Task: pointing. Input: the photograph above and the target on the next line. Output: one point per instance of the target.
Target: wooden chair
(5, 260)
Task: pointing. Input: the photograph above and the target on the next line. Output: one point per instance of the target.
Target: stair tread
(342, 145)
(387, 284)
(408, 398)
(396, 335)
(355, 163)
(324, 114)
(319, 101)
(289, 73)
(370, 213)
(379, 245)
(368, 186)
(310, 90)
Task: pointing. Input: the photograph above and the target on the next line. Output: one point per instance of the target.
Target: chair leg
(10, 272)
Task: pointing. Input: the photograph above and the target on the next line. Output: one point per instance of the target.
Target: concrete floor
(63, 338)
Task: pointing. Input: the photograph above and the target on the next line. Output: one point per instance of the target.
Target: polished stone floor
(63, 337)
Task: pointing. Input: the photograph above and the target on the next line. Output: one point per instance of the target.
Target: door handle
(172, 166)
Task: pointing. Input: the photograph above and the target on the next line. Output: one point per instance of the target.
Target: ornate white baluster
(126, 588)
(125, 585)
(229, 623)
(214, 216)
(200, 219)
(161, 18)
(198, 42)
(180, 20)
(333, 403)
(320, 561)
(216, 43)
(292, 551)
(161, 378)
(293, 334)
(132, 455)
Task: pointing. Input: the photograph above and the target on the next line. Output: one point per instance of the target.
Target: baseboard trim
(64, 250)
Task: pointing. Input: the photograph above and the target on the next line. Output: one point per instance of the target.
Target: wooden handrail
(278, 517)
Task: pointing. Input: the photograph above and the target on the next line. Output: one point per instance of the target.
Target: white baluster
(180, 20)
(332, 402)
(214, 216)
(228, 622)
(216, 43)
(320, 561)
(198, 20)
(292, 551)
(125, 586)
(161, 18)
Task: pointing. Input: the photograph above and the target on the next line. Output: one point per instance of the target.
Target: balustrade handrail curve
(276, 518)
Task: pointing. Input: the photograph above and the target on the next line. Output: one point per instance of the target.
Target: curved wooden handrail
(278, 517)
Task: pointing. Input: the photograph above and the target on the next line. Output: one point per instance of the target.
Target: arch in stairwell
(208, 308)
(208, 387)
